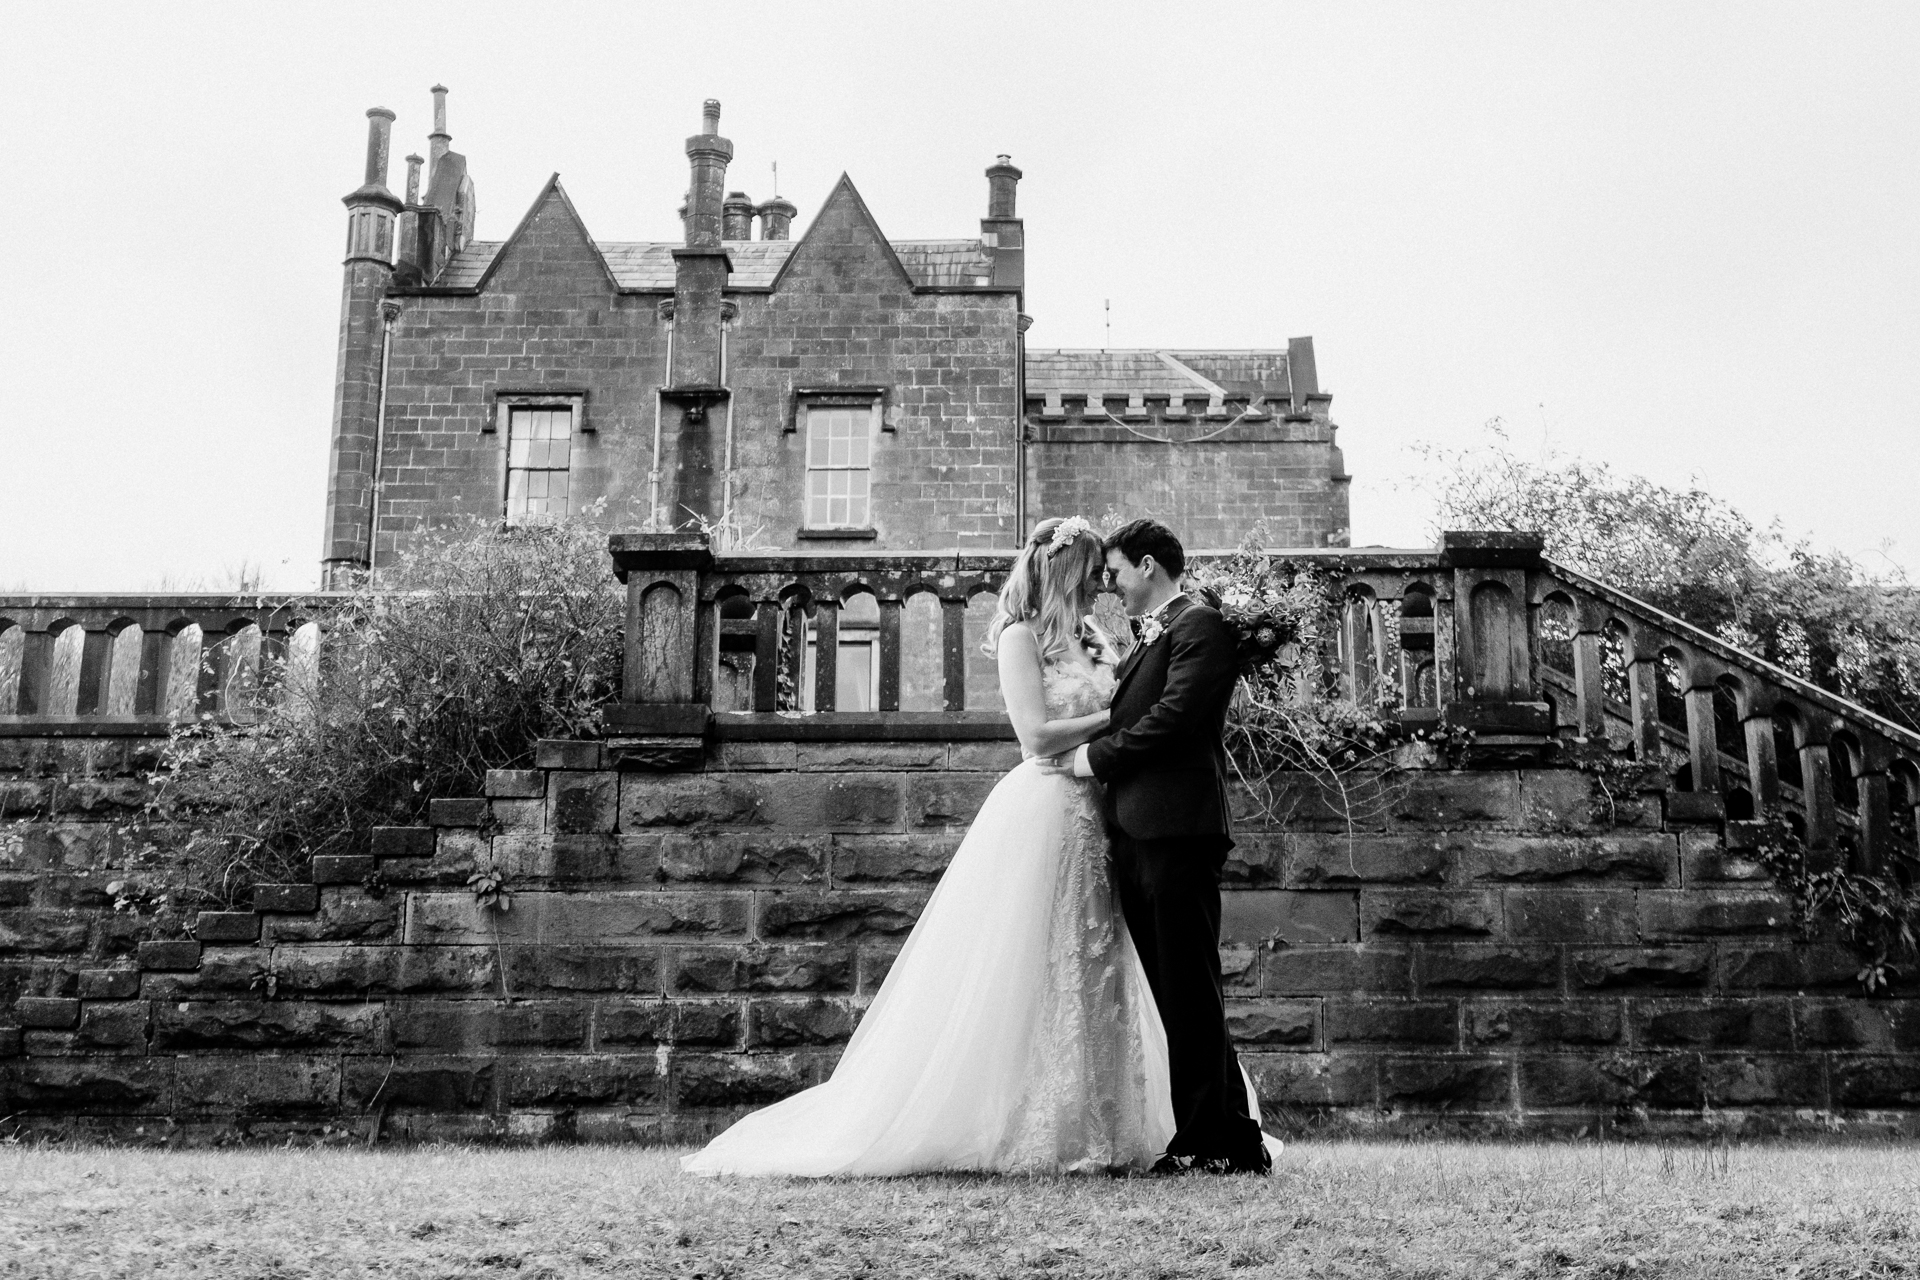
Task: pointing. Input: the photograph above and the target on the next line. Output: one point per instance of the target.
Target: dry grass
(1333, 1209)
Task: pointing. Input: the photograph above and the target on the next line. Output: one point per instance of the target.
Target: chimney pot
(379, 133)
(737, 217)
(710, 116)
(776, 216)
(413, 179)
(439, 141)
(708, 154)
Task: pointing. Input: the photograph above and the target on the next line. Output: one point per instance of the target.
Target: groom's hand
(1058, 766)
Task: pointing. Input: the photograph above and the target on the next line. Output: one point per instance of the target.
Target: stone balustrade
(134, 665)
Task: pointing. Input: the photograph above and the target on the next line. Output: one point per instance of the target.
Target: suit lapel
(1132, 663)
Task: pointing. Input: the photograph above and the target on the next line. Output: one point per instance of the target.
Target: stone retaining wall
(1494, 949)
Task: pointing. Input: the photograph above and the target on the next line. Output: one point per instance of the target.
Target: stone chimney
(413, 262)
(413, 179)
(701, 267)
(371, 206)
(1002, 231)
(776, 216)
(709, 154)
(440, 140)
(736, 217)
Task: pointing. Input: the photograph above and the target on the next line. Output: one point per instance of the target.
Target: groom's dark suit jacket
(1163, 758)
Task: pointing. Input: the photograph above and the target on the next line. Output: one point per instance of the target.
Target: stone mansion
(841, 389)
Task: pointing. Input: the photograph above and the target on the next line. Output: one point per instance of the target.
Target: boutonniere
(1150, 629)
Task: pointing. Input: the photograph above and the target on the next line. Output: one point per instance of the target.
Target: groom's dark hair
(1143, 538)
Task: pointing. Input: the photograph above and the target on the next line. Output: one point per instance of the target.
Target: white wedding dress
(1015, 1032)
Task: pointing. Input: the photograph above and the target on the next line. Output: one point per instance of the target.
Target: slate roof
(648, 265)
(1164, 372)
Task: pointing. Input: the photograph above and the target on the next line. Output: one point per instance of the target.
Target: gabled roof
(466, 260)
(844, 193)
(646, 266)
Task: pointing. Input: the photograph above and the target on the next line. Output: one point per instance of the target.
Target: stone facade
(689, 373)
(1491, 949)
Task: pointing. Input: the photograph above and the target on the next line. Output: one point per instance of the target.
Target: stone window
(839, 466)
(539, 454)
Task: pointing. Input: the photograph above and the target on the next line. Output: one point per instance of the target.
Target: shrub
(475, 644)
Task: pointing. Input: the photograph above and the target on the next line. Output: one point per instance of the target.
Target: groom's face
(1133, 582)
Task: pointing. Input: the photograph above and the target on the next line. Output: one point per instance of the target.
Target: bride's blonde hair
(1047, 586)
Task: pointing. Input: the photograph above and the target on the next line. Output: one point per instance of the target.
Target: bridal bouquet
(1264, 610)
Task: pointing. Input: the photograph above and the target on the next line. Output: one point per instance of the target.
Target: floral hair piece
(1065, 533)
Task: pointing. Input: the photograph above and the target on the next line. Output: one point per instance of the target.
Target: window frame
(858, 404)
(506, 404)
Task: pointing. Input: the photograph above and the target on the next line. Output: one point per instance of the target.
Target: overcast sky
(1678, 238)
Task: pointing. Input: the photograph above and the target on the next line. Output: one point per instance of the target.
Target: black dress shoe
(1259, 1163)
(1171, 1166)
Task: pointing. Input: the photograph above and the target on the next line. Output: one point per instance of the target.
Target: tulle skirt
(1015, 1031)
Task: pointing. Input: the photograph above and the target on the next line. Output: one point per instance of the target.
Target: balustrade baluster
(1816, 789)
(36, 672)
(796, 663)
(826, 655)
(1643, 685)
(890, 613)
(1763, 765)
(766, 656)
(1590, 698)
(96, 665)
(953, 652)
(1703, 747)
(1876, 823)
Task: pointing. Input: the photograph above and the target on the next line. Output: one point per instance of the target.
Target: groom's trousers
(1170, 894)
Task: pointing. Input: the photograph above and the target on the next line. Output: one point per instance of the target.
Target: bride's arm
(1026, 699)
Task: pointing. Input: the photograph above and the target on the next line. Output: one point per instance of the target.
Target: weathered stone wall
(1493, 948)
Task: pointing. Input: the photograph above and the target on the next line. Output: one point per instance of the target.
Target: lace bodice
(1073, 689)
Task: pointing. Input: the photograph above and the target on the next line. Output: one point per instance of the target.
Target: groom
(1164, 764)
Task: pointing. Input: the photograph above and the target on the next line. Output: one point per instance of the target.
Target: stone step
(286, 899)
(226, 926)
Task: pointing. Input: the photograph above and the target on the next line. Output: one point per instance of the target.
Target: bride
(1015, 1032)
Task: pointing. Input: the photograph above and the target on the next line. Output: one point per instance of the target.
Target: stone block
(1593, 916)
(28, 931)
(1273, 1023)
(921, 857)
(92, 1085)
(1876, 1026)
(422, 1083)
(9, 1048)
(1623, 968)
(1649, 858)
(403, 842)
(581, 1080)
(52, 1012)
(1445, 1082)
(566, 753)
(275, 1025)
(639, 916)
(1817, 966)
(715, 800)
(1450, 801)
(873, 964)
(335, 971)
(222, 971)
(646, 1023)
(1695, 807)
(782, 1023)
(1764, 1080)
(731, 1080)
(1258, 860)
(16, 891)
(515, 784)
(1313, 1080)
(1434, 1022)
(1262, 917)
(583, 803)
(745, 857)
(836, 916)
(1558, 800)
(1710, 913)
(109, 984)
(445, 919)
(529, 816)
(479, 1026)
(525, 856)
(346, 868)
(947, 799)
(345, 913)
(1336, 970)
(1488, 968)
(762, 968)
(1546, 1022)
(583, 969)
(842, 757)
(1706, 860)
(116, 1026)
(461, 811)
(777, 757)
(1755, 1022)
(1659, 1080)
(1326, 858)
(85, 891)
(983, 757)
(226, 926)
(169, 956)
(1429, 912)
(1876, 1082)
(286, 898)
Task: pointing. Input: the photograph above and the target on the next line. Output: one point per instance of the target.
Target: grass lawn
(1332, 1209)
